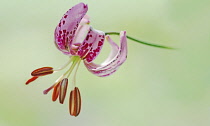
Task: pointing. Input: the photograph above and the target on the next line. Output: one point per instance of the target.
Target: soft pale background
(155, 87)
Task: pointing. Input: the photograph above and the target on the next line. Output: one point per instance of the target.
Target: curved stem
(139, 41)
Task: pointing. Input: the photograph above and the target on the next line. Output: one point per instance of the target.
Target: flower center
(75, 47)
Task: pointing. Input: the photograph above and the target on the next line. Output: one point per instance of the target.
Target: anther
(63, 89)
(75, 102)
(42, 71)
(56, 92)
(31, 79)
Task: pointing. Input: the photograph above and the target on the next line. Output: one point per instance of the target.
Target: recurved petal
(116, 58)
(92, 45)
(85, 20)
(65, 31)
(80, 34)
(82, 30)
(63, 89)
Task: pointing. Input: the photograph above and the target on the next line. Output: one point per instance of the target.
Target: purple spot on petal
(87, 37)
(100, 43)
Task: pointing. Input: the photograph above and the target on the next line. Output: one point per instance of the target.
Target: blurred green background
(155, 87)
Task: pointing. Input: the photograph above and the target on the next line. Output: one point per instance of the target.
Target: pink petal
(80, 34)
(65, 31)
(85, 20)
(116, 58)
(92, 45)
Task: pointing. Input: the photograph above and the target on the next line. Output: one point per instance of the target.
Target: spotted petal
(82, 30)
(92, 45)
(116, 58)
(80, 35)
(65, 31)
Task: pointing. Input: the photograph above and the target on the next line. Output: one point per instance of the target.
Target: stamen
(60, 85)
(63, 89)
(31, 79)
(75, 102)
(65, 65)
(42, 71)
(72, 66)
(56, 92)
(48, 89)
(75, 73)
(56, 82)
(74, 59)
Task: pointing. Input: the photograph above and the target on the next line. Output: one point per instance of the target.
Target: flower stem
(139, 41)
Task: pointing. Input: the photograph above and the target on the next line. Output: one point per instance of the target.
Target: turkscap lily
(75, 38)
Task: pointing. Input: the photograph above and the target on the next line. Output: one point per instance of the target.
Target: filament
(56, 82)
(66, 64)
(72, 67)
(75, 73)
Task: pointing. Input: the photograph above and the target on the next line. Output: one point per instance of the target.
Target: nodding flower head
(75, 38)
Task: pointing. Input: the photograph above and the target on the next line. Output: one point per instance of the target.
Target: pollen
(42, 71)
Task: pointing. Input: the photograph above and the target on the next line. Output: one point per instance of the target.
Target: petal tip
(82, 4)
(123, 33)
(85, 6)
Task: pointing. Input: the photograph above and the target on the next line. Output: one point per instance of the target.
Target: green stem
(139, 41)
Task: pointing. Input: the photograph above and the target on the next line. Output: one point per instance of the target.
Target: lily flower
(78, 40)
(75, 38)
